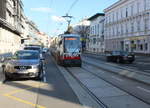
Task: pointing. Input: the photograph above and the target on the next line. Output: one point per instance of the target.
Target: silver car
(23, 64)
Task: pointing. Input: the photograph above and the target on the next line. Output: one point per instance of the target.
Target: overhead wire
(71, 7)
(69, 10)
(50, 7)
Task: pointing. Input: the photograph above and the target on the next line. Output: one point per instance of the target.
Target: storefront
(137, 44)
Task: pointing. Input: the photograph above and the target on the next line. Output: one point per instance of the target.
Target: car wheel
(130, 62)
(5, 77)
(107, 59)
(39, 77)
(118, 60)
(79, 65)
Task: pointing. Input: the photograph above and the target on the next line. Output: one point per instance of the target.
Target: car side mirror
(42, 59)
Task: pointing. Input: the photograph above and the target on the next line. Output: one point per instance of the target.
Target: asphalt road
(57, 89)
(52, 92)
(141, 63)
(57, 94)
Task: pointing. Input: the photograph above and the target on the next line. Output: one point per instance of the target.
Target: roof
(96, 15)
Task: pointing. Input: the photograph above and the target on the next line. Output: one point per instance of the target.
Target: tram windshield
(72, 44)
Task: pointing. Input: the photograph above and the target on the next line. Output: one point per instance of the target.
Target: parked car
(45, 50)
(37, 48)
(120, 56)
(23, 64)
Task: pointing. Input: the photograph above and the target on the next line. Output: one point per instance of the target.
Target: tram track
(120, 66)
(127, 71)
(116, 86)
(101, 103)
(95, 97)
(109, 82)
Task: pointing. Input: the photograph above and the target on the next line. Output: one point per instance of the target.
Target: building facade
(10, 34)
(127, 26)
(32, 33)
(96, 37)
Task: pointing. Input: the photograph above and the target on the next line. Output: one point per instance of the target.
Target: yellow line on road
(24, 101)
(21, 100)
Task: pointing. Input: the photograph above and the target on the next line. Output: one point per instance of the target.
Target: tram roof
(67, 35)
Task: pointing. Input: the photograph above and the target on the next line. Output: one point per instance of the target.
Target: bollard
(2, 74)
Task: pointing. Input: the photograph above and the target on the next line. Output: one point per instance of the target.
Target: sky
(47, 14)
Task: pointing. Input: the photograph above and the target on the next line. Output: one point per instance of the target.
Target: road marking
(101, 72)
(45, 79)
(21, 100)
(146, 90)
(44, 72)
(24, 101)
(43, 67)
(147, 70)
(117, 78)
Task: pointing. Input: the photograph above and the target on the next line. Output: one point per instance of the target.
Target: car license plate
(22, 71)
(129, 56)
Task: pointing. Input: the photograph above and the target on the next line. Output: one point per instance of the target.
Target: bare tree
(82, 30)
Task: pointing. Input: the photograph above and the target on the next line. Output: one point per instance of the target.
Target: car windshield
(124, 53)
(32, 48)
(120, 53)
(26, 55)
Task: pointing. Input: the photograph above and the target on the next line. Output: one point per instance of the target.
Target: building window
(126, 28)
(98, 28)
(141, 47)
(121, 13)
(109, 19)
(91, 31)
(138, 25)
(121, 29)
(95, 30)
(146, 46)
(146, 22)
(94, 40)
(113, 17)
(117, 16)
(105, 20)
(138, 7)
(132, 10)
(145, 5)
(132, 27)
(126, 12)
(117, 30)
(113, 31)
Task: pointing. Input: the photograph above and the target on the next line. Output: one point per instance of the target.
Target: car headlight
(9, 66)
(35, 66)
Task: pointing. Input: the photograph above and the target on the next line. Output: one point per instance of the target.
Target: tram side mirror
(60, 43)
(42, 59)
(2, 59)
